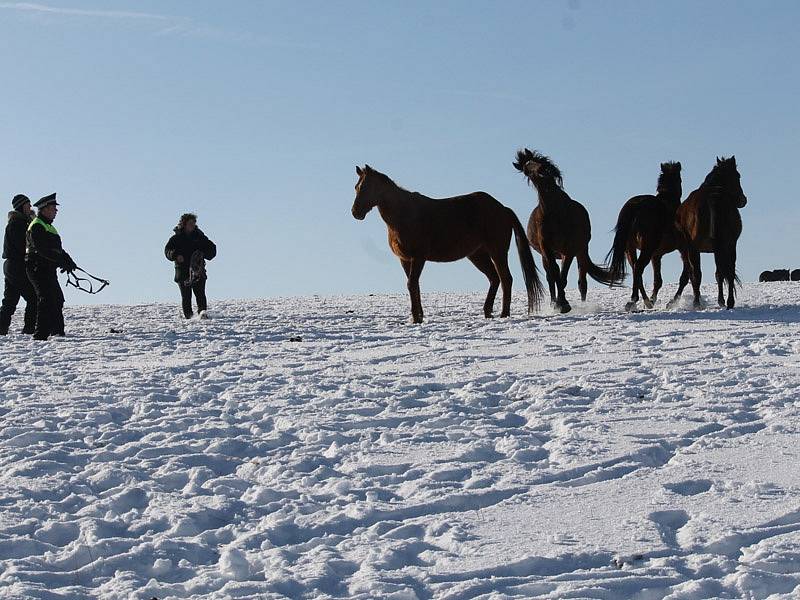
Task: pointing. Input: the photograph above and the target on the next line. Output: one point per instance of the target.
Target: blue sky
(254, 114)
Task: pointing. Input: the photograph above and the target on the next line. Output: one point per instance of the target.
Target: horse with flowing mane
(559, 228)
(473, 226)
(647, 223)
(709, 221)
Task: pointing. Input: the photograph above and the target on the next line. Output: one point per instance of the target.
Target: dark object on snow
(44, 255)
(709, 221)
(113, 330)
(559, 227)
(795, 276)
(774, 275)
(185, 248)
(295, 338)
(474, 226)
(647, 223)
(17, 284)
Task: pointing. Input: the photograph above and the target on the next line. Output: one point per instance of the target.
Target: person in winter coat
(17, 284)
(189, 248)
(43, 256)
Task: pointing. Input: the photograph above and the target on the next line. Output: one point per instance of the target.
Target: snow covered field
(594, 455)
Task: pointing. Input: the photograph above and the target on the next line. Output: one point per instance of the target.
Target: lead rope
(85, 284)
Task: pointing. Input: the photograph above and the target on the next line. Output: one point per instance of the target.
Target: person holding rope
(44, 255)
(17, 284)
(189, 248)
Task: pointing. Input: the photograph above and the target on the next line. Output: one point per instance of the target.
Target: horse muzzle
(359, 215)
(742, 202)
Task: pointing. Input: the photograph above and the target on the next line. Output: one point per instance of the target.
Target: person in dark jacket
(44, 255)
(189, 248)
(17, 284)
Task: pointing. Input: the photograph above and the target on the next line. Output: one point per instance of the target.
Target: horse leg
(583, 267)
(485, 265)
(551, 278)
(566, 263)
(501, 264)
(720, 286)
(684, 279)
(696, 276)
(414, 271)
(731, 277)
(561, 303)
(638, 274)
(657, 280)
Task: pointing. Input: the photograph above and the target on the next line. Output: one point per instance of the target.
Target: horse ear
(359, 172)
(678, 166)
(367, 167)
(733, 160)
(719, 162)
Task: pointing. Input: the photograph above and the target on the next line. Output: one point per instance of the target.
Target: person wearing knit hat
(44, 255)
(17, 284)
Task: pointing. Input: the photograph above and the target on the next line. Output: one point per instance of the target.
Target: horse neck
(551, 197)
(393, 205)
(670, 197)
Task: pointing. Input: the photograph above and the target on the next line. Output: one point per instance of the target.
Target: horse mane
(546, 166)
(670, 173)
(383, 177)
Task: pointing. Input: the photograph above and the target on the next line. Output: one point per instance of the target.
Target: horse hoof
(505, 315)
(697, 305)
(629, 306)
(564, 308)
(672, 303)
(648, 304)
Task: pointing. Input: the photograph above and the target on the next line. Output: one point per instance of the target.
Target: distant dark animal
(559, 228)
(709, 221)
(795, 276)
(774, 275)
(647, 224)
(473, 226)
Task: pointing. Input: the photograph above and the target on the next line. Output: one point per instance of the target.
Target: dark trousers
(17, 286)
(199, 289)
(49, 302)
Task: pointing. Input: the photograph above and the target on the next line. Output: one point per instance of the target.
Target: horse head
(728, 178)
(537, 167)
(366, 194)
(669, 181)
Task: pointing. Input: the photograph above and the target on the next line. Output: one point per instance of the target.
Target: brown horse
(559, 228)
(647, 223)
(709, 221)
(473, 226)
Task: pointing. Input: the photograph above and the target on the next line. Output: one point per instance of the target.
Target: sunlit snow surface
(594, 455)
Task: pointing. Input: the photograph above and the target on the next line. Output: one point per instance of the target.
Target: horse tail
(615, 259)
(602, 275)
(529, 270)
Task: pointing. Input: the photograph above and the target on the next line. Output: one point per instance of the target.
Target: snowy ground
(595, 455)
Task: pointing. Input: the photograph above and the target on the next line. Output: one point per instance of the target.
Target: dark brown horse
(559, 228)
(473, 226)
(647, 223)
(709, 221)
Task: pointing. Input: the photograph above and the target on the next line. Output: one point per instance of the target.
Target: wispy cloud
(81, 12)
(165, 24)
